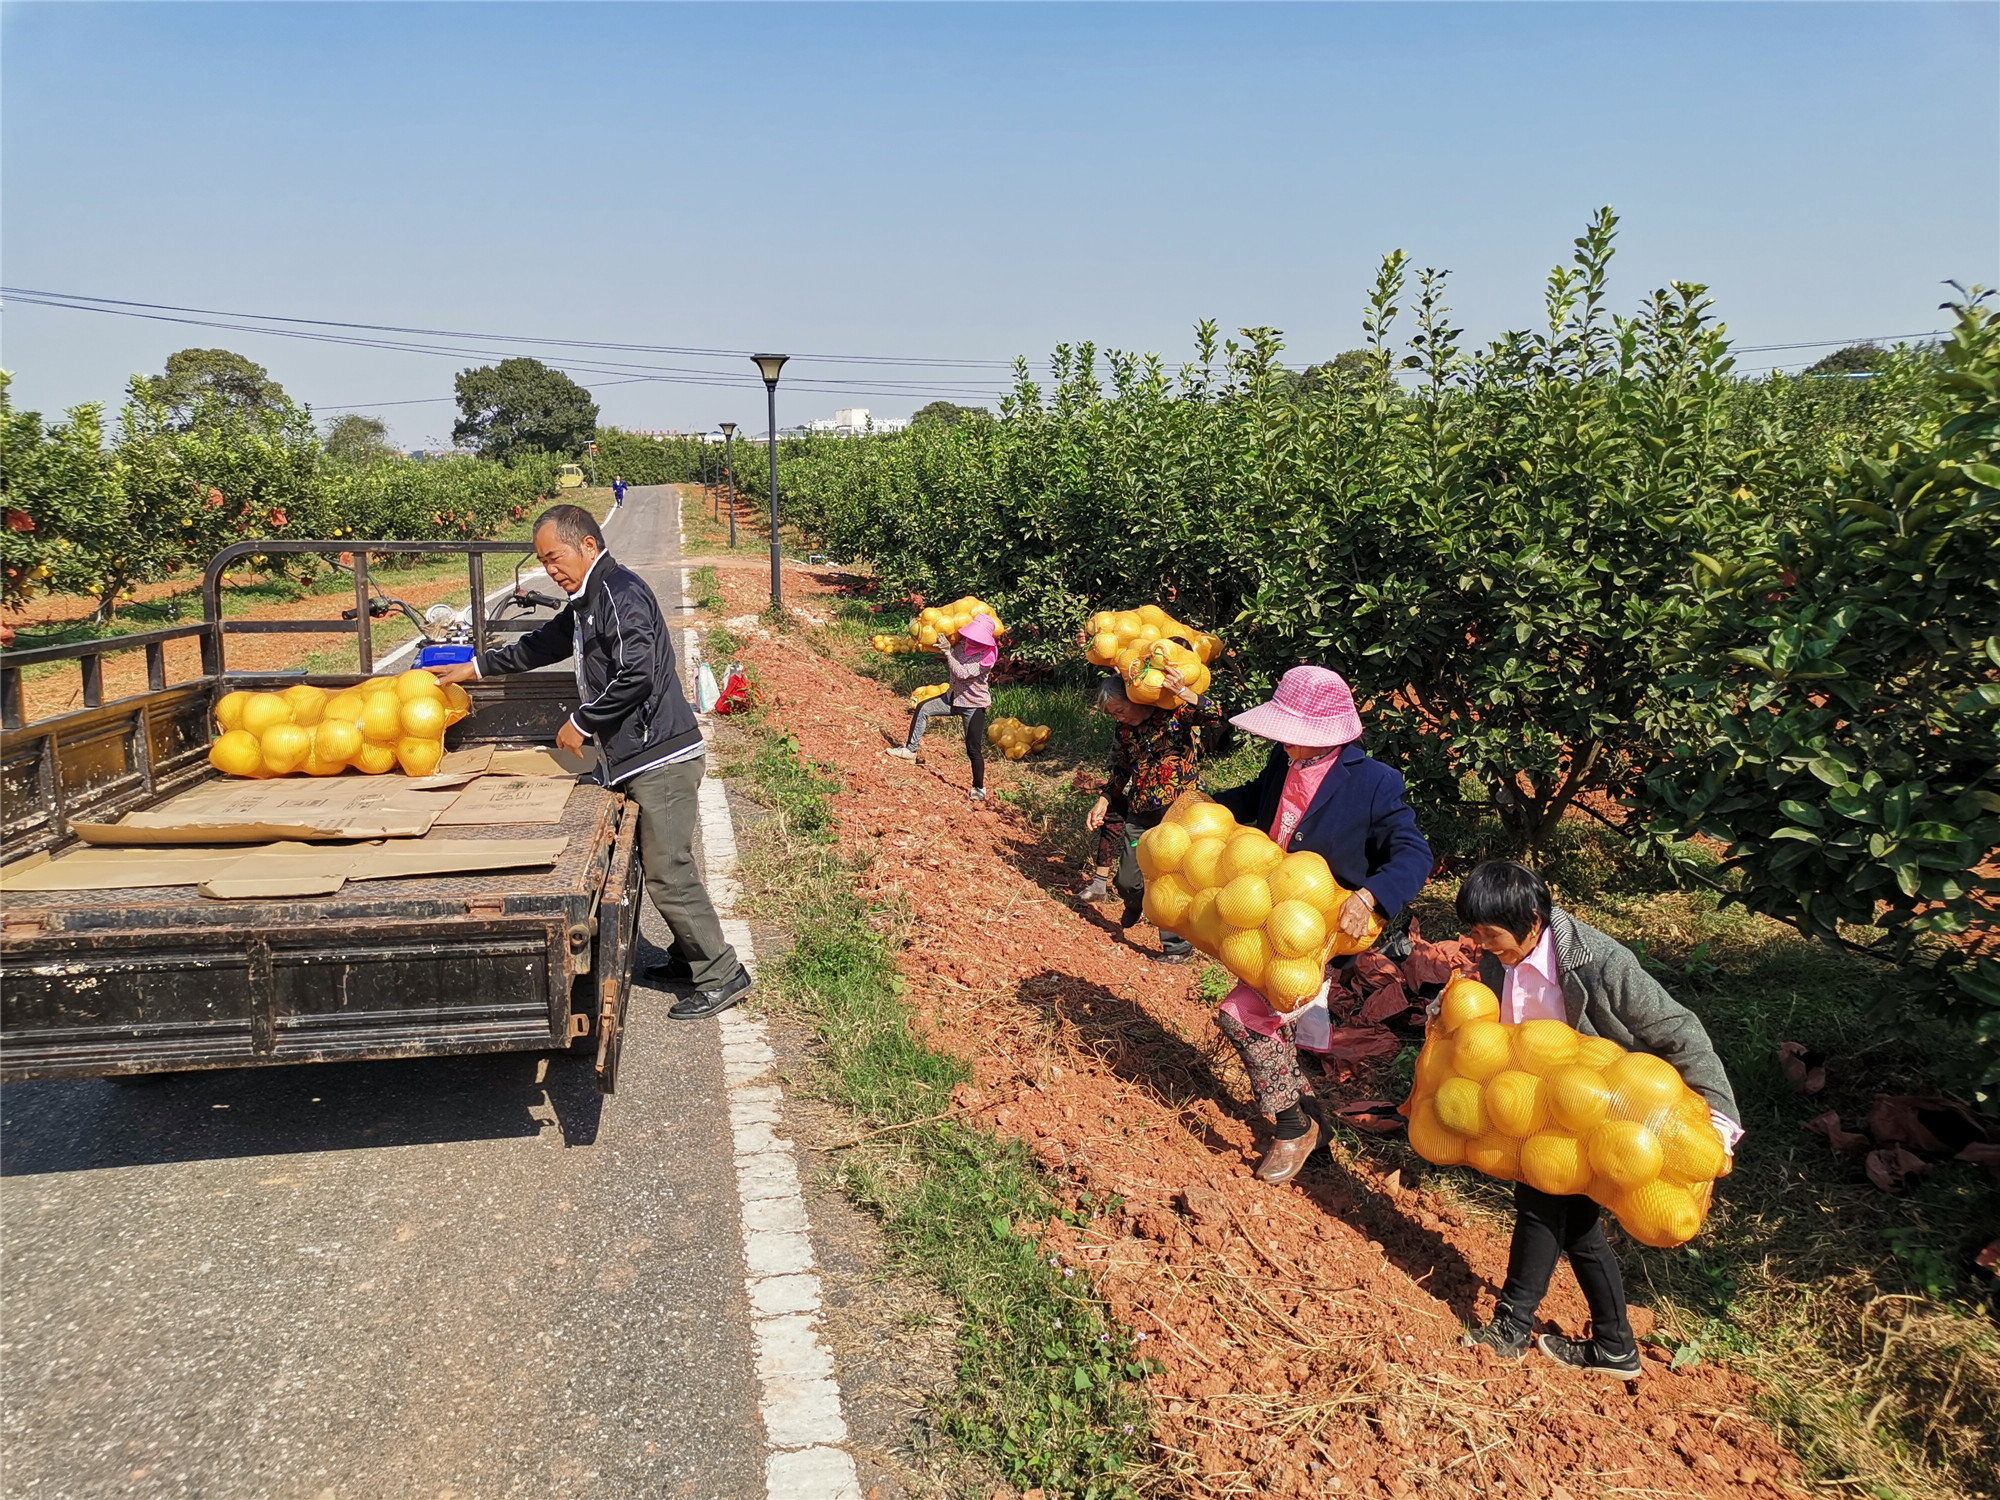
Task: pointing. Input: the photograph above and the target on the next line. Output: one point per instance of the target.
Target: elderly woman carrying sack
(1319, 791)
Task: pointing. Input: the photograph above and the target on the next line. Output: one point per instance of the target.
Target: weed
(706, 585)
(1047, 1388)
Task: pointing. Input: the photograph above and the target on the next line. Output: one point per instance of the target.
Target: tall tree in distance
(356, 439)
(195, 375)
(1855, 359)
(949, 413)
(521, 406)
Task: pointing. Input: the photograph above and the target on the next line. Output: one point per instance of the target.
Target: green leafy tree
(1847, 747)
(354, 438)
(1853, 360)
(521, 406)
(949, 414)
(64, 511)
(195, 376)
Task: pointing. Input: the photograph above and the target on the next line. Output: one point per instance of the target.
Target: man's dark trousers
(669, 799)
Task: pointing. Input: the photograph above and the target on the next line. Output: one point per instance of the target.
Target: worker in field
(648, 744)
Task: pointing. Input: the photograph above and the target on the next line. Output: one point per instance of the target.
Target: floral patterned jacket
(1157, 759)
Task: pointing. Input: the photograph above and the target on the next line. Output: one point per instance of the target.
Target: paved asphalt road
(460, 1278)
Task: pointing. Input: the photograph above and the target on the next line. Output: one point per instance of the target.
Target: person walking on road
(618, 490)
(648, 743)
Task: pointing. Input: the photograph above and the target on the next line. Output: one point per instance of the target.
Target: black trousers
(1131, 882)
(1545, 1229)
(975, 731)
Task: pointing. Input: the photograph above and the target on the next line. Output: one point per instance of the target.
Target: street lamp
(768, 365)
(729, 474)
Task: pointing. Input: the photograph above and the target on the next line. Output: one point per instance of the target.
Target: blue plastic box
(443, 656)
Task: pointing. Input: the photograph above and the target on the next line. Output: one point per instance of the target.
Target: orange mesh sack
(940, 624)
(1139, 642)
(1268, 916)
(376, 726)
(1543, 1104)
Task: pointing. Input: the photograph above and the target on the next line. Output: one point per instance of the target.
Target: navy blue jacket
(1358, 823)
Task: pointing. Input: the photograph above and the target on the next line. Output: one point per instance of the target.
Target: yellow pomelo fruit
(1245, 901)
(1245, 954)
(1430, 1140)
(1304, 876)
(316, 765)
(1642, 1086)
(1596, 1052)
(417, 683)
(1103, 647)
(1249, 853)
(1343, 944)
(1579, 1098)
(1201, 865)
(345, 704)
(265, 711)
(1167, 900)
(308, 703)
(1205, 820)
(1460, 1107)
(1202, 925)
(1162, 849)
(285, 748)
(1290, 982)
(1296, 929)
(1555, 1164)
(1495, 1155)
(229, 709)
(237, 753)
(1481, 1049)
(927, 635)
(1625, 1152)
(1152, 614)
(1515, 1105)
(1466, 1000)
(1660, 1214)
(423, 718)
(374, 758)
(337, 740)
(1434, 1065)
(382, 718)
(418, 756)
(457, 702)
(1689, 1152)
(1540, 1047)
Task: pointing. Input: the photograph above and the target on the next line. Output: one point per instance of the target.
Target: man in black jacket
(648, 743)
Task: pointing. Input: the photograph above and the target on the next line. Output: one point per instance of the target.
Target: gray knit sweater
(1609, 994)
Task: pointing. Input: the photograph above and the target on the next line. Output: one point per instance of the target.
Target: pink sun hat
(979, 631)
(1312, 706)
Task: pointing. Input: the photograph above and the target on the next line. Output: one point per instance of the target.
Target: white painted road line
(803, 1424)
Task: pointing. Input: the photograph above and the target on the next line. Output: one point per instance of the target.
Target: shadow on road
(84, 1124)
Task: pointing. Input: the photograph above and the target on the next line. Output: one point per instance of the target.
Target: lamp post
(768, 365)
(729, 474)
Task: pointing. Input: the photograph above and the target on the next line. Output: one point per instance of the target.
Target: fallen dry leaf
(1891, 1168)
(1847, 1142)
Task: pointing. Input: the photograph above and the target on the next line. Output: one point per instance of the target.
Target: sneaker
(673, 971)
(901, 752)
(978, 792)
(1503, 1336)
(705, 1003)
(1589, 1354)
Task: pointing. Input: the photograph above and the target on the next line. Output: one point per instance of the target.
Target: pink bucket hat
(979, 631)
(1312, 706)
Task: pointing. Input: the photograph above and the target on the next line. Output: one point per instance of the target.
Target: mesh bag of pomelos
(373, 727)
(1270, 917)
(939, 623)
(1016, 740)
(1543, 1104)
(1136, 643)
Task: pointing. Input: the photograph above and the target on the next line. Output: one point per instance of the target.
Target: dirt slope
(1309, 1334)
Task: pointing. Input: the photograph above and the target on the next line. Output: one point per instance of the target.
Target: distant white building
(852, 421)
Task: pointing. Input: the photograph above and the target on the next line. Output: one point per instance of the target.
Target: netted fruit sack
(925, 694)
(1014, 739)
(938, 625)
(374, 727)
(1543, 1104)
(1139, 642)
(1271, 918)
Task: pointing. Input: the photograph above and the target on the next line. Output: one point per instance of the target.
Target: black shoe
(1589, 1354)
(705, 1003)
(1172, 952)
(1503, 1336)
(673, 971)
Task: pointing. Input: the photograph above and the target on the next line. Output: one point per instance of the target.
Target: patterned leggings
(1271, 1061)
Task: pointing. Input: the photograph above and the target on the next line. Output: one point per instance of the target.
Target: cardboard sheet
(277, 870)
(509, 799)
(287, 807)
(547, 760)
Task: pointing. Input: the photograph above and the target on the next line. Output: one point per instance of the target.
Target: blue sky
(964, 182)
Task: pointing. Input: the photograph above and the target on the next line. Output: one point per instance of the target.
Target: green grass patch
(706, 586)
(1047, 1387)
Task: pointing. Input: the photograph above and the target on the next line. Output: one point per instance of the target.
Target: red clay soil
(1309, 1334)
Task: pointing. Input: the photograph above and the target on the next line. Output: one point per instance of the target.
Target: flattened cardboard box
(509, 799)
(295, 807)
(277, 870)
